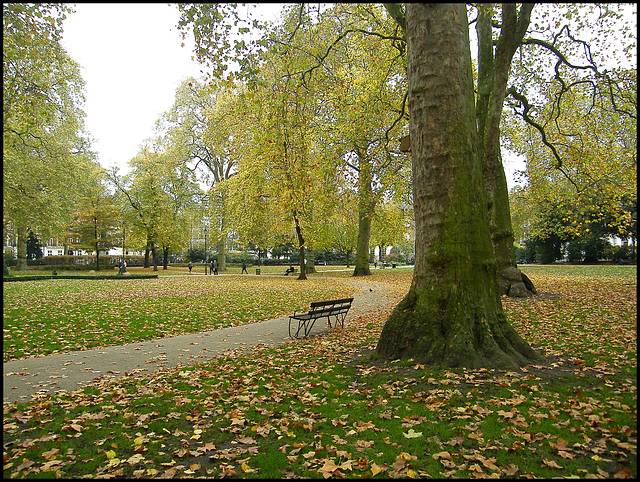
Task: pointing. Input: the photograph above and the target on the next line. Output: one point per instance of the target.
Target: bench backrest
(331, 306)
(319, 304)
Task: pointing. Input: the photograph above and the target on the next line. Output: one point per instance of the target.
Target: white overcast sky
(132, 62)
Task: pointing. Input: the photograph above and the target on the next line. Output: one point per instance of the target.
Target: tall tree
(283, 108)
(452, 314)
(364, 90)
(597, 180)
(338, 230)
(97, 219)
(34, 249)
(203, 129)
(45, 150)
(159, 194)
(566, 49)
(494, 63)
(258, 215)
(361, 87)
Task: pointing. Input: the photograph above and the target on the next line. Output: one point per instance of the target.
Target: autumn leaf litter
(325, 407)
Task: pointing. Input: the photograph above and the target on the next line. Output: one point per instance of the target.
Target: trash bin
(257, 270)
(393, 265)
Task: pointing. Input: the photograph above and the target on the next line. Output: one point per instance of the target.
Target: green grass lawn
(66, 315)
(328, 407)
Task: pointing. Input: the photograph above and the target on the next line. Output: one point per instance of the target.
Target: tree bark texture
(452, 314)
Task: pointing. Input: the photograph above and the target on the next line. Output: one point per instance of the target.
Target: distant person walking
(211, 267)
(214, 263)
(244, 267)
(190, 266)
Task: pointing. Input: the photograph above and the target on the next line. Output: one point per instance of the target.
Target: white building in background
(56, 246)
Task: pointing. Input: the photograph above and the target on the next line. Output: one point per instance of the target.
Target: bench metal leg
(300, 323)
(339, 319)
(308, 326)
(304, 325)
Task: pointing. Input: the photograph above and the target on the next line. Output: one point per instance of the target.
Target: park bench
(319, 309)
(291, 270)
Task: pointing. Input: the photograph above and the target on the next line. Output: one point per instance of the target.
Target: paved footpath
(27, 378)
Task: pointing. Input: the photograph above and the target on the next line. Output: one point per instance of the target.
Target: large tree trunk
(303, 270)
(310, 265)
(362, 249)
(452, 314)
(97, 257)
(165, 260)
(365, 214)
(493, 74)
(222, 252)
(22, 249)
(221, 245)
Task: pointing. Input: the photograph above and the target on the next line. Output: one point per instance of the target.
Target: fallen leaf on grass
(47, 467)
(134, 459)
(329, 469)
(442, 455)
(365, 443)
(246, 440)
(560, 444)
(552, 464)
(565, 455)
(376, 469)
(510, 470)
(48, 455)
